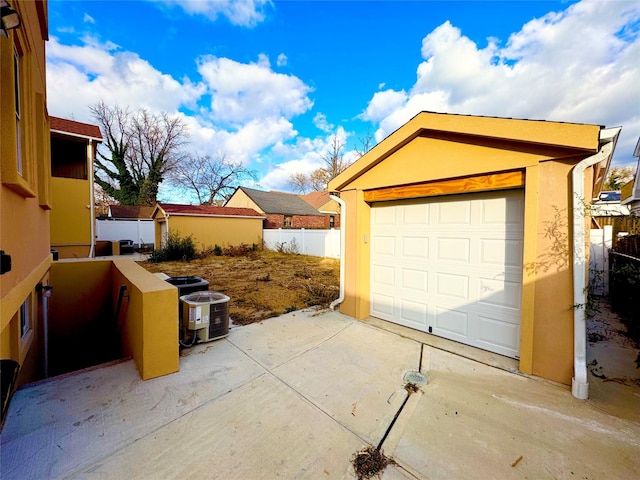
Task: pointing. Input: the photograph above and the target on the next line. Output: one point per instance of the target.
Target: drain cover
(417, 378)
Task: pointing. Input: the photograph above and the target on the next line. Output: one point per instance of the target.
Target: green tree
(141, 148)
(617, 177)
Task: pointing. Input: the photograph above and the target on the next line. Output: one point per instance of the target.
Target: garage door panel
(416, 280)
(499, 334)
(499, 293)
(453, 212)
(452, 323)
(382, 306)
(415, 247)
(496, 251)
(383, 275)
(453, 264)
(456, 249)
(415, 215)
(413, 313)
(452, 286)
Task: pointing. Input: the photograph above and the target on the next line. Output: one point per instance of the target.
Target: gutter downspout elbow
(343, 218)
(579, 383)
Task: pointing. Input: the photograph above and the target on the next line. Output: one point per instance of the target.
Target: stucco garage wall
(223, 231)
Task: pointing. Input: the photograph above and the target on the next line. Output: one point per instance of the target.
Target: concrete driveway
(295, 397)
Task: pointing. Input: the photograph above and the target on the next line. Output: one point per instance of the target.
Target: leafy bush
(176, 248)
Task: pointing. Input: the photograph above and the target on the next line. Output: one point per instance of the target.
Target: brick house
(282, 210)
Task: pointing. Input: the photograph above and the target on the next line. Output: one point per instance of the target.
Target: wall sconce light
(10, 18)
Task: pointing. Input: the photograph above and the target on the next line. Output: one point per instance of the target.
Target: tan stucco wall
(70, 217)
(242, 200)
(210, 231)
(547, 316)
(149, 317)
(24, 198)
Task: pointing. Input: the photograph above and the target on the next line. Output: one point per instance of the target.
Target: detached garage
(463, 227)
(208, 225)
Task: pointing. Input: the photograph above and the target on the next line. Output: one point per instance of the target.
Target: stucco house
(208, 225)
(73, 150)
(324, 204)
(282, 210)
(473, 229)
(25, 195)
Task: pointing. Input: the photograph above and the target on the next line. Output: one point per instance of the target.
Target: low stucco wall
(84, 330)
(148, 319)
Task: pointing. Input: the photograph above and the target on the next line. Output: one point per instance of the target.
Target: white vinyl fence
(601, 243)
(319, 243)
(140, 231)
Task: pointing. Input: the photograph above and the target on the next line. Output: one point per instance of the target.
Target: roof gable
(279, 202)
(86, 130)
(559, 135)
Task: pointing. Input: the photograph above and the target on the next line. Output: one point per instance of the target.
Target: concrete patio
(296, 396)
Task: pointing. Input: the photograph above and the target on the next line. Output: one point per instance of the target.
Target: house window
(16, 90)
(332, 221)
(25, 318)
(287, 221)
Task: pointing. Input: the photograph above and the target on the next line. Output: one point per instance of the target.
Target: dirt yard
(263, 284)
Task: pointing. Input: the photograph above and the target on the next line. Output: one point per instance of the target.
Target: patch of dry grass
(263, 284)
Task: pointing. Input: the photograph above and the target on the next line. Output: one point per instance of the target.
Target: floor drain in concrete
(417, 378)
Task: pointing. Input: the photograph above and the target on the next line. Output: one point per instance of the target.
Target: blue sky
(270, 83)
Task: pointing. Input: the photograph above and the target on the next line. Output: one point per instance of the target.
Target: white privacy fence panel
(319, 243)
(140, 231)
(601, 243)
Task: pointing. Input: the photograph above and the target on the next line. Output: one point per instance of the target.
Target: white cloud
(80, 76)
(577, 65)
(246, 13)
(282, 60)
(242, 92)
(88, 18)
(320, 121)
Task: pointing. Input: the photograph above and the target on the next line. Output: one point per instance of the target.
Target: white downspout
(579, 383)
(92, 200)
(343, 219)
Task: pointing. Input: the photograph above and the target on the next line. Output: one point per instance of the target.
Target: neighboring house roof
(316, 199)
(608, 205)
(129, 211)
(279, 202)
(76, 129)
(205, 210)
(321, 201)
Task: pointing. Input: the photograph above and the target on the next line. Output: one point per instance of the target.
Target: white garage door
(451, 266)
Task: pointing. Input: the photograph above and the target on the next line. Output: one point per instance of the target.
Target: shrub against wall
(625, 284)
(176, 248)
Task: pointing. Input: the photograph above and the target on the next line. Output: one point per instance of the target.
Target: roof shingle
(280, 202)
(76, 128)
(208, 210)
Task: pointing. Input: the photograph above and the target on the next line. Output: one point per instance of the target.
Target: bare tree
(141, 149)
(300, 183)
(334, 165)
(210, 179)
(366, 144)
(101, 200)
